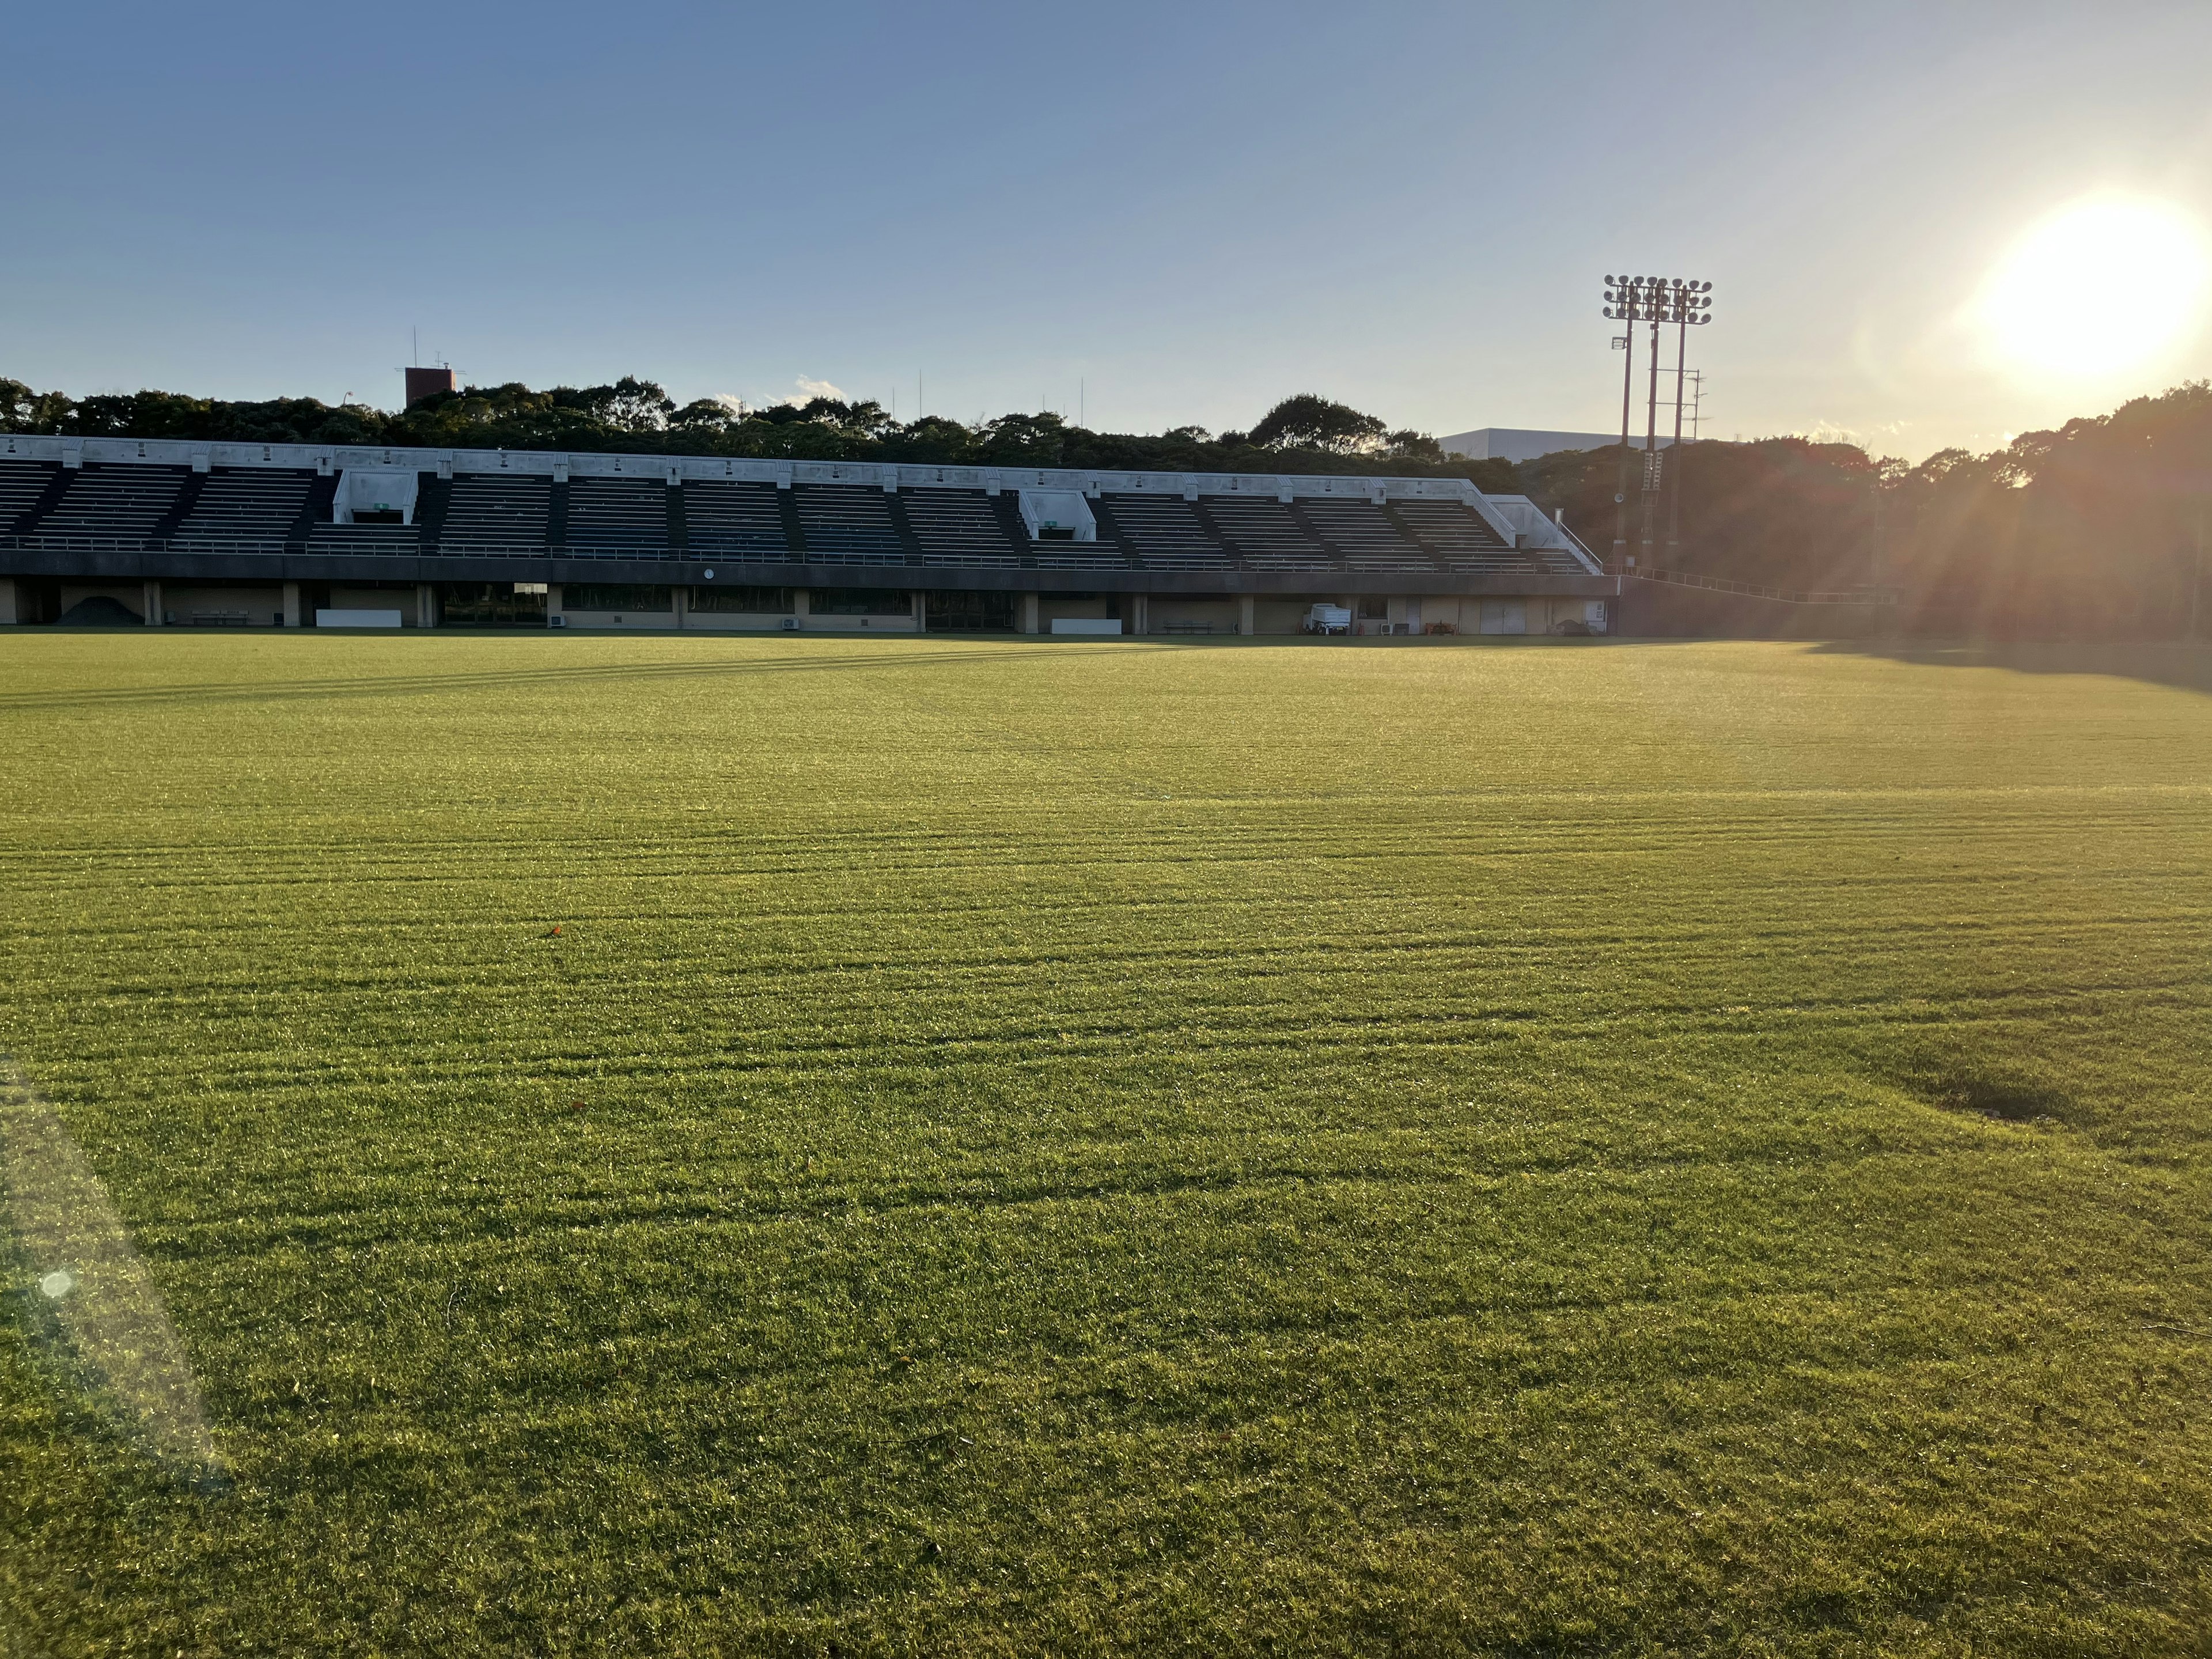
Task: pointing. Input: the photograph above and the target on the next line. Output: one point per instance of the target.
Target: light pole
(1690, 306)
(1623, 297)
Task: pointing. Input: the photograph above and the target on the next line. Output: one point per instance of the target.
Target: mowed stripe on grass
(1022, 1146)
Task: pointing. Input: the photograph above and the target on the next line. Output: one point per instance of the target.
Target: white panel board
(357, 619)
(1086, 624)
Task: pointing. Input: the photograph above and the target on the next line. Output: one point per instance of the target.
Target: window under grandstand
(969, 612)
(617, 596)
(745, 601)
(862, 601)
(492, 604)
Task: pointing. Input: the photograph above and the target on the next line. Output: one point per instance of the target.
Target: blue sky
(1185, 212)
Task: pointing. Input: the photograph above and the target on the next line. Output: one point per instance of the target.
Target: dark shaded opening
(101, 611)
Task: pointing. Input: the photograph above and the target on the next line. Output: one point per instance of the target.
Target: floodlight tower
(1624, 301)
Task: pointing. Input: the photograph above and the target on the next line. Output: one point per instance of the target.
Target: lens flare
(114, 1334)
(2100, 287)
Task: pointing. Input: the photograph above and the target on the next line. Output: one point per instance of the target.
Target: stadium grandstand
(178, 533)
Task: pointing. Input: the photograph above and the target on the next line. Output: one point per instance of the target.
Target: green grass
(1026, 1146)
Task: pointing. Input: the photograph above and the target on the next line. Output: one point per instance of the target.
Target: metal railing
(1753, 590)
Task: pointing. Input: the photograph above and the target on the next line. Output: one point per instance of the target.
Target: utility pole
(1675, 467)
(2196, 580)
(1651, 445)
(1874, 554)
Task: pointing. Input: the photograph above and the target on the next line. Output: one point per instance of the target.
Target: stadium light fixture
(1655, 301)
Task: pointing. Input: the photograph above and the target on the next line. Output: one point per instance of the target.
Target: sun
(2101, 287)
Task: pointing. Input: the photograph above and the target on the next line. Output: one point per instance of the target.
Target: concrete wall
(1050, 605)
(191, 606)
(1170, 612)
(680, 615)
(401, 599)
(813, 625)
(1664, 611)
(731, 622)
(647, 619)
(1274, 615)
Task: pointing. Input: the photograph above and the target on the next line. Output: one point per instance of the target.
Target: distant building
(428, 383)
(1513, 443)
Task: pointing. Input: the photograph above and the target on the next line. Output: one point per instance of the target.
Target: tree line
(2099, 530)
(1303, 433)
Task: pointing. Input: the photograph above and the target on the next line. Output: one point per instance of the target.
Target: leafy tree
(706, 416)
(629, 405)
(22, 410)
(1024, 440)
(1307, 421)
(1412, 446)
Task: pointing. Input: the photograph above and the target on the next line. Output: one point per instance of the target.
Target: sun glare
(2100, 287)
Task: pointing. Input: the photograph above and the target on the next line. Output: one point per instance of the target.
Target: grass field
(1025, 1146)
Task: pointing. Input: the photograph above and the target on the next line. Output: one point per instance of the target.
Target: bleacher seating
(495, 512)
(1450, 529)
(1164, 533)
(615, 515)
(1463, 541)
(848, 526)
(115, 503)
(120, 502)
(250, 506)
(957, 527)
(1363, 533)
(1266, 535)
(734, 521)
(22, 484)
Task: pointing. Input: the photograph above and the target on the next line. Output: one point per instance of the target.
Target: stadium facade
(181, 533)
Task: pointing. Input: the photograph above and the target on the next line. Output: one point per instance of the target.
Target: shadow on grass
(2007, 1100)
(2187, 666)
(1956, 1080)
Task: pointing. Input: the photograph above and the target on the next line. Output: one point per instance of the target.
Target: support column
(291, 604)
(920, 598)
(679, 599)
(1248, 613)
(802, 604)
(10, 611)
(1029, 613)
(426, 605)
(1140, 616)
(153, 604)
